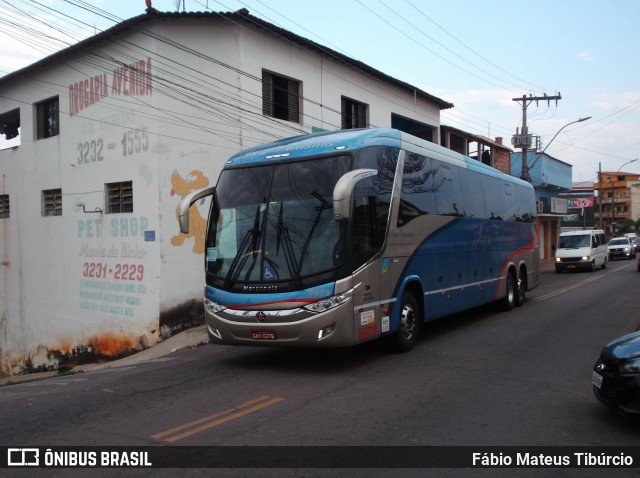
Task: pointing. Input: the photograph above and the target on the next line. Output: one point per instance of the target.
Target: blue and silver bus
(338, 238)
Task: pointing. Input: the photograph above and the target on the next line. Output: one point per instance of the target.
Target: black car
(616, 374)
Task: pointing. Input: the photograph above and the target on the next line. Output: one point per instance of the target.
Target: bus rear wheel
(407, 335)
(521, 287)
(509, 300)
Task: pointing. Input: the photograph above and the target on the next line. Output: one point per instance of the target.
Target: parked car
(616, 374)
(620, 247)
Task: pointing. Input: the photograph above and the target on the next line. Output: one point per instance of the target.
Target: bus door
(368, 229)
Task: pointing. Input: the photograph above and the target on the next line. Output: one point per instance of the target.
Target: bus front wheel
(407, 335)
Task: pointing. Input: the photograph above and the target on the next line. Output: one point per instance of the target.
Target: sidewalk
(192, 337)
(547, 266)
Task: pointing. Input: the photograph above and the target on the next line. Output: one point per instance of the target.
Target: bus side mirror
(185, 204)
(343, 190)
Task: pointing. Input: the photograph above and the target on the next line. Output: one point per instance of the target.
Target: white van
(586, 249)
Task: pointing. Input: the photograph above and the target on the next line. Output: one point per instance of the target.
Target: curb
(193, 337)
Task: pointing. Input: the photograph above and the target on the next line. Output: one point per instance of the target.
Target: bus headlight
(330, 302)
(212, 306)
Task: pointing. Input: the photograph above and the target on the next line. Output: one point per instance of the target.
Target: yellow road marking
(216, 419)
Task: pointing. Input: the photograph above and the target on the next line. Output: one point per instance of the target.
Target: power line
(480, 125)
(503, 70)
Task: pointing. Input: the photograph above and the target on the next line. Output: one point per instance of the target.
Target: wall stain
(180, 317)
(64, 355)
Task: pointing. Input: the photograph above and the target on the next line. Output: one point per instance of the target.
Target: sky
(478, 55)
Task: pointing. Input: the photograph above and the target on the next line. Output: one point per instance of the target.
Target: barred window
(47, 118)
(119, 197)
(354, 114)
(4, 206)
(52, 202)
(280, 97)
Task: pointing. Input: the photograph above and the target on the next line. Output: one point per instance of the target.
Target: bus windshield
(275, 223)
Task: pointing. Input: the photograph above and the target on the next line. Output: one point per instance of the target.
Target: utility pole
(524, 139)
(600, 191)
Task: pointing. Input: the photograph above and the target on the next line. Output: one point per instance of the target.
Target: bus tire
(509, 300)
(407, 335)
(521, 288)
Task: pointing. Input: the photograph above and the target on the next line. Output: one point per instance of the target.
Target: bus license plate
(263, 335)
(596, 379)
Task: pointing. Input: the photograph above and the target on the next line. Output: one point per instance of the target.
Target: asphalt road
(482, 378)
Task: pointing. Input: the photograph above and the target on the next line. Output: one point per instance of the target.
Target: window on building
(4, 206)
(457, 143)
(416, 128)
(47, 119)
(487, 156)
(119, 197)
(354, 114)
(52, 202)
(280, 97)
(473, 150)
(10, 129)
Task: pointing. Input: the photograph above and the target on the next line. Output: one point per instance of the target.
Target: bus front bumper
(333, 328)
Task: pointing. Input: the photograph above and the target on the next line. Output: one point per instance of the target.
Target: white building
(111, 132)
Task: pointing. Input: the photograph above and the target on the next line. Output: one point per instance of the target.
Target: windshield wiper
(249, 242)
(289, 255)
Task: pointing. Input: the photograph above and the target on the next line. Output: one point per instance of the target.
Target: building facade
(102, 140)
(550, 178)
(618, 201)
(490, 152)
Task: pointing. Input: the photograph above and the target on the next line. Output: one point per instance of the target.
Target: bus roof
(315, 144)
(318, 144)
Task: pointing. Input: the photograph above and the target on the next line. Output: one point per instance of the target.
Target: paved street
(478, 379)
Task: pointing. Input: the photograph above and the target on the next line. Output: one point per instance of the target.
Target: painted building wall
(132, 108)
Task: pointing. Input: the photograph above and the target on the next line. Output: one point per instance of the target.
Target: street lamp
(579, 120)
(613, 210)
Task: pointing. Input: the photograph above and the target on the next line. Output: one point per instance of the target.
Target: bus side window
(419, 189)
(369, 225)
(472, 194)
(448, 195)
(363, 234)
(494, 198)
(371, 198)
